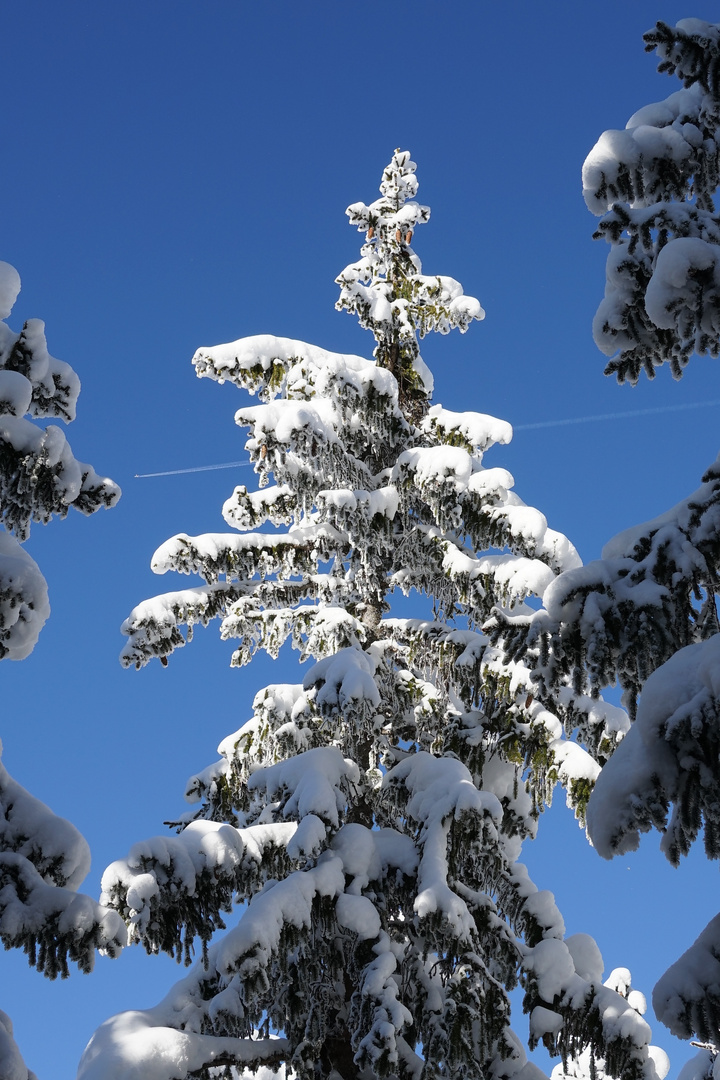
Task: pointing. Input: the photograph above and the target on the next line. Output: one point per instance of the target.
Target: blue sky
(175, 174)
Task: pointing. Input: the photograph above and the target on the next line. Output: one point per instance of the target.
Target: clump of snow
(24, 605)
(12, 1066)
(343, 680)
(302, 365)
(657, 132)
(142, 1046)
(441, 790)
(568, 975)
(284, 419)
(587, 958)
(358, 914)
(599, 714)
(9, 288)
(29, 828)
(477, 429)
(314, 783)
(686, 998)
(165, 866)
(43, 861)
(573, 762)
(15, 393)
(681, 264)
(701, 1066)
(308, 839)
(645, 764)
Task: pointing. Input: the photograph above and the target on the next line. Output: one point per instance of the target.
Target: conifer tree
(645, 614)
(43, 858)
(371, 816)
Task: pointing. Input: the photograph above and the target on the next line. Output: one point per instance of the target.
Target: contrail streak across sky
(197, 468)
(516, 427)
(615, 415)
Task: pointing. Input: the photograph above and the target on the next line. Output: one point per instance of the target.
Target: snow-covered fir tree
(645, 614)
(371, 816)
(654, 186)
(43, 858)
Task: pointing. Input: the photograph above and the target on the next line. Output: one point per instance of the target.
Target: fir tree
(43, 858)
(373, 815)
(645, 614)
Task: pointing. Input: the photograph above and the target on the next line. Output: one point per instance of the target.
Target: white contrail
(198, 468)
(615, 415)
(516, 427)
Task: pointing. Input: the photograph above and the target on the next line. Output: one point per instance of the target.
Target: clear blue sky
(175, 174)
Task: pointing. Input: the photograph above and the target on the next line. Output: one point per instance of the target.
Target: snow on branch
(273, 366)
(152, 626)
(240, 557)
(11, 1062)
(43, 861)
(472, 430)
(32, 381)
(572, 1001)
(24, 606)
(654, 185)
(441, 790)
(670, 756)
(39, 476)
(622, 616)
(686, 997)
(145, 1046)
(170, 890)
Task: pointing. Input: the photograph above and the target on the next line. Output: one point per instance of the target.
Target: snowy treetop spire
(389, 293)
(399, 184)
(399, 181)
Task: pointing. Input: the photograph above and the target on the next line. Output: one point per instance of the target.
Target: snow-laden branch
(627, 613)
(655, 183)
(24, 605)
(140, 1046)
(39, 476)
(43, 861)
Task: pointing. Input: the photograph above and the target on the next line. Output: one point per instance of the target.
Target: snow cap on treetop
(388, 291)
(398, 184)
(399, 181)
